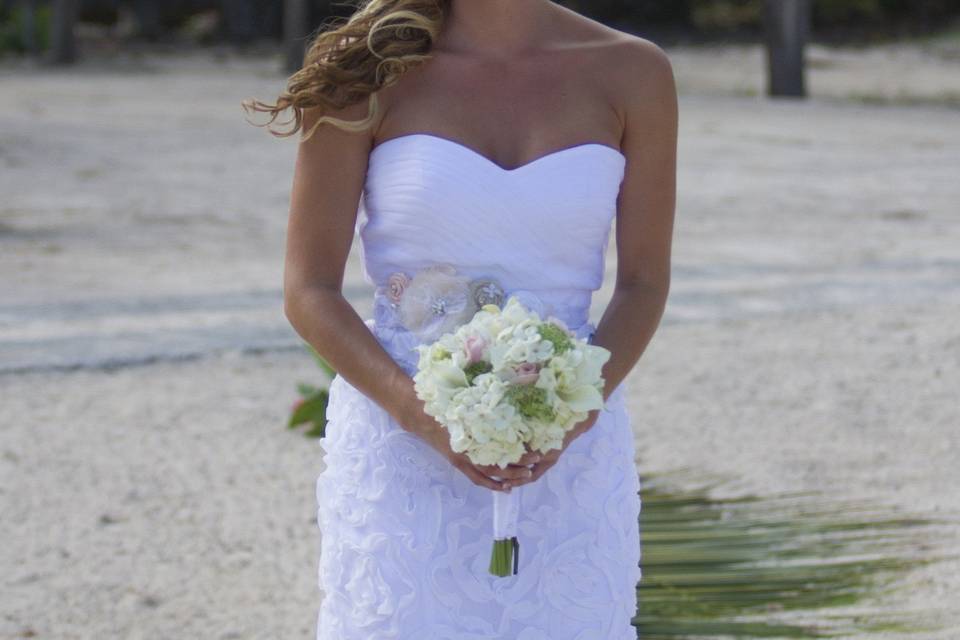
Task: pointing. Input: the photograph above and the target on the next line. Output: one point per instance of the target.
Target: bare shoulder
(635, 72)
(639, 76)
(621, 50)
(644, 88)
(640, 61)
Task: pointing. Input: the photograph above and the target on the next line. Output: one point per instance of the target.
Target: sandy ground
(896, 73)
(149, 489)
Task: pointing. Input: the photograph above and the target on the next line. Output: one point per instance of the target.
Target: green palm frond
(784, 566)
(797, 565)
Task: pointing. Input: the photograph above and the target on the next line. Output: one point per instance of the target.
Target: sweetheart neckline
(495, 165)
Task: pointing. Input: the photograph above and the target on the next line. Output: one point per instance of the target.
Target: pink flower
(396, 285)
(526, 373)
(474, 347)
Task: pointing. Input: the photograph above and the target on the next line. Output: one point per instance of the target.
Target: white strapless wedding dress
(406, 537)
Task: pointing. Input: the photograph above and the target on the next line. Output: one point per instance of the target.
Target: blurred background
(149, 487)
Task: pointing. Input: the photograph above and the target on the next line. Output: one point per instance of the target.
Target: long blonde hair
(348, 60)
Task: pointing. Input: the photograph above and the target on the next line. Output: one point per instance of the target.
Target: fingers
(514, 469)
(480, 479)
(527, 469)
(510, 473)
(529, 458)
(541, 468)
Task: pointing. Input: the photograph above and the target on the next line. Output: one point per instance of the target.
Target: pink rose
(526, 373)
(396, 285)
(474, 347)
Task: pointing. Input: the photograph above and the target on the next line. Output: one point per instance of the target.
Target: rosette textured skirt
(406, 537)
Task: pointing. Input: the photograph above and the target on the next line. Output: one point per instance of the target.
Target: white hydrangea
(473, 401)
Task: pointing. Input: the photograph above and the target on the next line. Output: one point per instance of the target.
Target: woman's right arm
(328, 180)
(327, 183)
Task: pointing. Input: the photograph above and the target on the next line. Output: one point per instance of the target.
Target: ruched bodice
(542, 227)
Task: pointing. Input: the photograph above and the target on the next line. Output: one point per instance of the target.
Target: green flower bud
(530, 401)
(552, 333)
(474, 369)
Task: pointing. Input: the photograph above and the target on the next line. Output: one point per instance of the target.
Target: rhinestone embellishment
(487, 292)
(436, 299)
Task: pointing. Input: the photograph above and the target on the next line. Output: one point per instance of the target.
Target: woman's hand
(437, 437)
(547, 460)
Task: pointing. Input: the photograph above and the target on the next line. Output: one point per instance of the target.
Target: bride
(503, 139)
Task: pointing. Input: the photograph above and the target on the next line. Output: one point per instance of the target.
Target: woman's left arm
(644, 226)
(645, 212)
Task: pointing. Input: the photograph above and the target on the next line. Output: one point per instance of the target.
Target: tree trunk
(63, 41)
(296, 27)
(787, 26)
(30, 40)
(148, 18)
(240, 17)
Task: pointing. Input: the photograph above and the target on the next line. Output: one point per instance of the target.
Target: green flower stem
(502, 556)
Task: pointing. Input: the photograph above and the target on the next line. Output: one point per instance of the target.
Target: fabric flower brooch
(437, 299)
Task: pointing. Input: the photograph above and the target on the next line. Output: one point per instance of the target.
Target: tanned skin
(513, 82)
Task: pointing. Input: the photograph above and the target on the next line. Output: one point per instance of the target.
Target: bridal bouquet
(503, 381)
